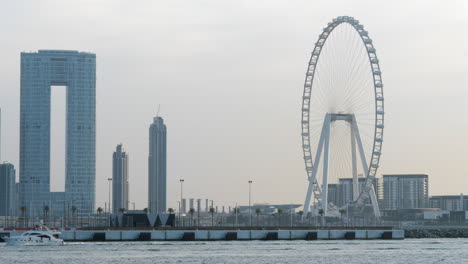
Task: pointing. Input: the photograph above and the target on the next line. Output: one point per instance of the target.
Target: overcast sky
(229, 77)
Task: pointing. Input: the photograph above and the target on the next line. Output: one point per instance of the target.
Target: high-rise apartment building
(449, 202)
(76, 73)
(342, 193)
(405, 191)
(120, 198)
(7, 190)
(0, 134)
(157, 162)
(333, 194)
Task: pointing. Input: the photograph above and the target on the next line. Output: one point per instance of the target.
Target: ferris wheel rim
(374, 159)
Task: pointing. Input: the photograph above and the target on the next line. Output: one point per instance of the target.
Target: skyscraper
(7, 190)
(405, 191)
(76, 73)
(0, 134)
(119, 179)
(157, 161)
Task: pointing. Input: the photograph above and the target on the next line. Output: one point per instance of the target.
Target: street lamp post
(212, 213)
(179, 213)
(291, 214)
(110, 180)
(236, 211)
(181, 197)
(250, 206)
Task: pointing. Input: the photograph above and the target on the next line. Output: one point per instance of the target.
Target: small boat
(41, 235)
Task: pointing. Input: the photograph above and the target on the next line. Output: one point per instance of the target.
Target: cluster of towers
(76, 72)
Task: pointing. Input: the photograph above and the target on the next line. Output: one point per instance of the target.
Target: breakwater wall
(198, 235)
(437, 233)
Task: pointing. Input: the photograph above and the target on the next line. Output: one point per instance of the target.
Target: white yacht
(41, 235)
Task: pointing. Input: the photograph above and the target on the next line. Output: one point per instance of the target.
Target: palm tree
(280, 211)
(122, 210)
(342, 212)
(191, 211)
(99, 211)
(45, 210)
(258, 211)
(170, 210)
(212, 211)
(73, 208)
(145, 210)
(236, 212)
(321, 212)
(23, 212)
(300, 215)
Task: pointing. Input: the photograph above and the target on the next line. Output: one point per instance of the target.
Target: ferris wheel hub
(341, 116)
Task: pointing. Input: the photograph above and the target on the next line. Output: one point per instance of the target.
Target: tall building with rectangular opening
(76, 72)
(119, 179)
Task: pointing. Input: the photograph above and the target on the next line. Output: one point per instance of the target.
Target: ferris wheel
(342, 116)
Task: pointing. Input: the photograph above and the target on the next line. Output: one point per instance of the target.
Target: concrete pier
(206, 235)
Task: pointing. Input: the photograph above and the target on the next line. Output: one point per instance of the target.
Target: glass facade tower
(77, 72)
(157, 161)
(7, 190)
(119, 179)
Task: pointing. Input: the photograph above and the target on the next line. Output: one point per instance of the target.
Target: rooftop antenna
(157, 113)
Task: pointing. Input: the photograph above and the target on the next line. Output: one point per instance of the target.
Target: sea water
(299, 251)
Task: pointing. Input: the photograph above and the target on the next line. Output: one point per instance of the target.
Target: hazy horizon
(229, 78)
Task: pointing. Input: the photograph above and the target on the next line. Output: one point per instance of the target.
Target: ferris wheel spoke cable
(350, 60)
(356, 62)
(349, 56)
(356, 82)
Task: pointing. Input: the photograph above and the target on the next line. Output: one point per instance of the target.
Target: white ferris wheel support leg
(355, 131)
(315, 165)
(354, 163)
(375, 203)
(371, 191)
(325, 167)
